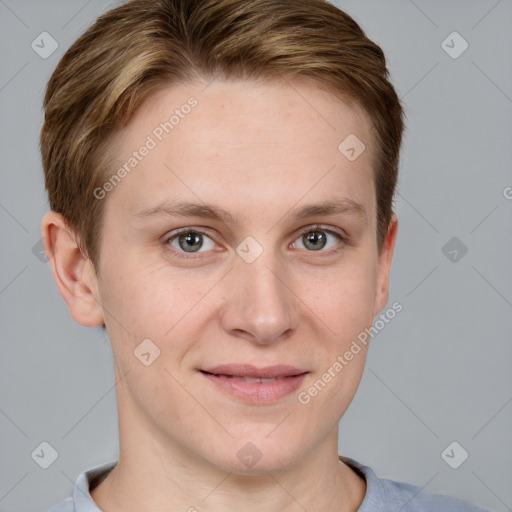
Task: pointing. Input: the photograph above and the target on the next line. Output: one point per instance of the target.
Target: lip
(229, 378)
(247, 370)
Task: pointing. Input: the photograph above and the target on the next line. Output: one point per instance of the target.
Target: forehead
(244, 144)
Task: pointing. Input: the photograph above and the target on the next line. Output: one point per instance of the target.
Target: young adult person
(221, 176)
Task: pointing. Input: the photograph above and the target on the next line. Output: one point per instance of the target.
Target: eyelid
(188, 229)
(321, 227)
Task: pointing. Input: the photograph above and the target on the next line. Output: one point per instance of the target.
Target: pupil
(314, 237)
(192, 241)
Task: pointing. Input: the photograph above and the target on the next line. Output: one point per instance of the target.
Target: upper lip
(247, 370)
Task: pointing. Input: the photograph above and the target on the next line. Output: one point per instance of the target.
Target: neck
(150, 484)
(155, 472)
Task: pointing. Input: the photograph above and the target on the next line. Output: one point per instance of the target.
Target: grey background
(439, 372)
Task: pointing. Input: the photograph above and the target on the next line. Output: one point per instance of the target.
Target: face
(241, 244)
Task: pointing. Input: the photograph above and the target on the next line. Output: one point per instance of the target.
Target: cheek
(150, 302)
(343, 299)
(143, 297)
(344, 304)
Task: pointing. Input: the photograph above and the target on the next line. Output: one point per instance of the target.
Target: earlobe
(73, 273)
(385, 258)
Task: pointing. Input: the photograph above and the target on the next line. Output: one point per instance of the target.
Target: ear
(74, 273)
(385, 257)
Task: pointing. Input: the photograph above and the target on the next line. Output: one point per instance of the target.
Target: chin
(258, 455)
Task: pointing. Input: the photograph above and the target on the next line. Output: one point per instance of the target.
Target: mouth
(252, 372)
(248, 379)
(256, 385)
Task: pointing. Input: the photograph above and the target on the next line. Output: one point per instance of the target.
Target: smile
(255, 389)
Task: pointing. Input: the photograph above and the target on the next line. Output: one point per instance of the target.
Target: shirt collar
(85, 482)
(92, 477)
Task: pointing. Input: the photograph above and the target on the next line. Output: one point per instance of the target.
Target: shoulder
(81, 501)
(414, 498)
(384, 495)
(63, 506)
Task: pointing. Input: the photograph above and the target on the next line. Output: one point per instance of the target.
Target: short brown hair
(142, 46)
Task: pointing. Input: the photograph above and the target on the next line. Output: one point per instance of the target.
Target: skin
(260, 151)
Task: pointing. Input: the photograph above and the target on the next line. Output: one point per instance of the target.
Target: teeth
(257, 379)
(263, 380)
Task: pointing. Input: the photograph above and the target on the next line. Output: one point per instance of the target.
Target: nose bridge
(261, 304)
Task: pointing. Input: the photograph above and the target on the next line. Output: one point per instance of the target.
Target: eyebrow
(336, 206)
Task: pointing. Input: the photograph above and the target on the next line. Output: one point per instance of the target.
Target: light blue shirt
(381, 495)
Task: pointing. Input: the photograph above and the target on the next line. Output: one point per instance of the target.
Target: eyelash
(190, 256)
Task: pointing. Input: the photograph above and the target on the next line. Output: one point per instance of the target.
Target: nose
(261, 306)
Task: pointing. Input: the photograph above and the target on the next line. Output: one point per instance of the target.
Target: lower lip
(257, 391)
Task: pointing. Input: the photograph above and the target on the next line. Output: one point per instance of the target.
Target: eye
(317, 238)
(190, 241)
